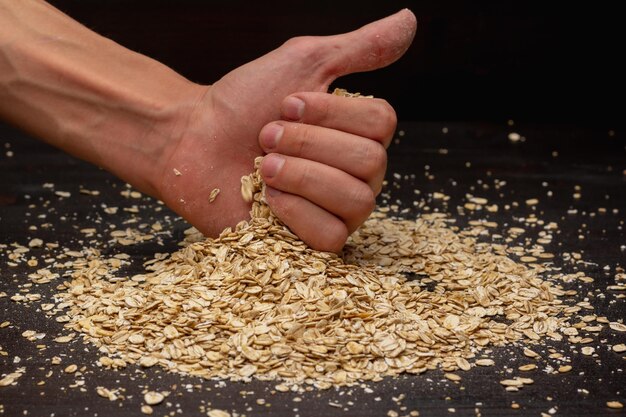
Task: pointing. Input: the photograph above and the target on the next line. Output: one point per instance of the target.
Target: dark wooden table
(466, 159)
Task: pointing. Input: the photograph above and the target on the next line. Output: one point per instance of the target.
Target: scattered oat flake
(528, 259)
(218, 413)
(153, 397)
(587, 350)
(564, 368)
(619, 348)
(107, 393)
(530, 353)
(478, 200)
(177, 172)
(70, 369)
(64, 339)
(148, 361)
(463, 364)
(29, 333)
(213, 194)
(247, 189)
(35, 243)
(618, 327)
(511, 383)
(11, 378)
(614, 404)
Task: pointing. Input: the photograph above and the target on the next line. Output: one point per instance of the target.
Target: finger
(360, 157)
(335, 191)
(317, 227)
(370, 118)
(373, 46)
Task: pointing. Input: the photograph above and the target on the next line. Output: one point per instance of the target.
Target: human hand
(332, 153)
(326, 163)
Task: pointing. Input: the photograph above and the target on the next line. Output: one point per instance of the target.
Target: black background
(471, 60)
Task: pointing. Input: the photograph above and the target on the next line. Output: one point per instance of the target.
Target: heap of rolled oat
(257, 302)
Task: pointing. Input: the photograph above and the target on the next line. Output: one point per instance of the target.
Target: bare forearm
(86, 94)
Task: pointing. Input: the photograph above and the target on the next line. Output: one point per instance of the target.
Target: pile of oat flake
(257, 302)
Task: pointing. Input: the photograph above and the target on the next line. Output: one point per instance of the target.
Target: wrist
(165, 123)
(138, 140)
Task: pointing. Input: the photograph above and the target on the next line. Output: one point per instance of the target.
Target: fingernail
(293, 108)
(272, 192)
(270, 135)
(272, 164)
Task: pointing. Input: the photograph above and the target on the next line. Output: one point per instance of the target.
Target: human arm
(177, 140)
(87, 95)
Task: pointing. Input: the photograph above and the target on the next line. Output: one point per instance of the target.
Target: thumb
(373, 46)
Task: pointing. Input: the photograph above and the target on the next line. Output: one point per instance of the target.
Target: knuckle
(316, 54)
(302, 177)
(377, 188)
(304, 48)
(302, 140)
(335, 237)
(324, 109)
(284, 207)
(374, 160)
(319, 108)
(386, 118)
(364, 200)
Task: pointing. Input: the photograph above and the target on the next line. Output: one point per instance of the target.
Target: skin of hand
(326, 154)
(177, 140)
